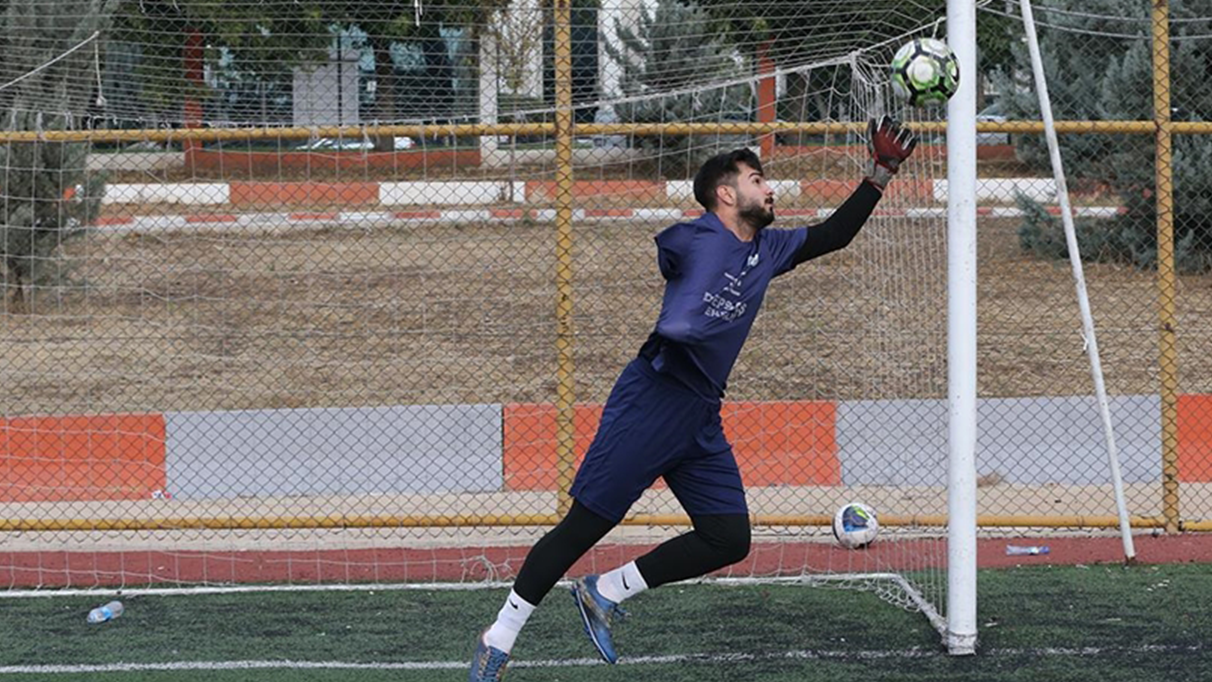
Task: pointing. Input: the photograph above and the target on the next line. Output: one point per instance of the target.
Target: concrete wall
(347, 451)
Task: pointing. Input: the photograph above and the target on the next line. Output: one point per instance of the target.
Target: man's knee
(739, 541)
(728, 535)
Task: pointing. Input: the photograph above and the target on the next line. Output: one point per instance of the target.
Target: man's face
(755, 198)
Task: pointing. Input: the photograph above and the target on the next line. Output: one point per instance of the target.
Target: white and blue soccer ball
(855, 525)
(925, 72)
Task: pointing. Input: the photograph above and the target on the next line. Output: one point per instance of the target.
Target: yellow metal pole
(523, 520)
(1167, 290)
(638, 129)
(565, 388)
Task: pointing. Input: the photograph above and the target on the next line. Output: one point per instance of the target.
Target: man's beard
(757, 215)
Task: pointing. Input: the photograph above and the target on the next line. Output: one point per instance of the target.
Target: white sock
(622, 583)
(512, 616)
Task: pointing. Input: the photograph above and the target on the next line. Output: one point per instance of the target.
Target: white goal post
(961, 334)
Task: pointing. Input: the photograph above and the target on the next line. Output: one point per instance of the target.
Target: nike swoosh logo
(513, 604)
(625, 585)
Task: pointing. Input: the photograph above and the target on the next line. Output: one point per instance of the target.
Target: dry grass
(448, 314)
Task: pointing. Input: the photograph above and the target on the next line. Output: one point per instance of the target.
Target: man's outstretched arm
(889, 144)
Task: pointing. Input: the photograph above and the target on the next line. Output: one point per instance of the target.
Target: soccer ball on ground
(925, 72)
(855, 525)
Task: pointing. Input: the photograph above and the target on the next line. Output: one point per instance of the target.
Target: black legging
(716, 541)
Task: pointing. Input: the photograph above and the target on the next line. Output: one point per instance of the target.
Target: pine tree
(675, 49)
(47, 196)
(1096, 74)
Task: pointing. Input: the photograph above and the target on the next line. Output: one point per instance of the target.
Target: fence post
(767, 109)
(565, 388)
(1166, 285)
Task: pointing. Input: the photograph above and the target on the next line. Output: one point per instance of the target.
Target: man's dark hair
(721, 169)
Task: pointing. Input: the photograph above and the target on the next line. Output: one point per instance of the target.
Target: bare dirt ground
(369, 516)
(466, 313)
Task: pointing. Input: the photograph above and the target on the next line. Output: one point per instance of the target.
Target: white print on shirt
(734, 285)
(723, 308)
(718, 306)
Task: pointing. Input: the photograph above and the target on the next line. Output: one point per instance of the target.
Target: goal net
(306, 299)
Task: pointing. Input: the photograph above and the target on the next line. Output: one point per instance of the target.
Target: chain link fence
(1140, 234)
(349, 285)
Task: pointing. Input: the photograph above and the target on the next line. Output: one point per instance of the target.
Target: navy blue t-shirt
(714, 285)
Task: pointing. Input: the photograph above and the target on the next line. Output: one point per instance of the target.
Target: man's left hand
(890, 145)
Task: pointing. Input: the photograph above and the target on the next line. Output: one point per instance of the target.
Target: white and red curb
(364, 219)
(495, 192)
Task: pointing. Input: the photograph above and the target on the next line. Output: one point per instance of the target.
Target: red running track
(142, 567)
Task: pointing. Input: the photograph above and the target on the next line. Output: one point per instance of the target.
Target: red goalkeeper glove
(890, 144)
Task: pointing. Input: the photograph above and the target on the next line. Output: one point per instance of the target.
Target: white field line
(108, 592)
(104, 592)
(807, 655)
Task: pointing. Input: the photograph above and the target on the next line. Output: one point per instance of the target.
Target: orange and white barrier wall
(480, 448)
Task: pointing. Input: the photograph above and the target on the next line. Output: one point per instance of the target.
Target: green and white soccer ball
(925, 72)
(855, 525)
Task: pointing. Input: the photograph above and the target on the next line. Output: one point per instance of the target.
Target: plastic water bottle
(1015, 550)
(108, 612)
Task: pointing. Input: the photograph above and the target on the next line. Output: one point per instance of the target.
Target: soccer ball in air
(855, 525)
(925, 72)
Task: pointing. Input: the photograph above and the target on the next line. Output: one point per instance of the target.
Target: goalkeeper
(662, 418)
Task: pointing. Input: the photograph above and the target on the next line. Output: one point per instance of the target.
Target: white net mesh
(296, 345)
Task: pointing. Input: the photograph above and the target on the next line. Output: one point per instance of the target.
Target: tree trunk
(193, 58)
(14, 303)
(385, 90)
(437, 88)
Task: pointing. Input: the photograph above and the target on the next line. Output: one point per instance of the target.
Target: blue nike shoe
(597, 612)
(487, 663)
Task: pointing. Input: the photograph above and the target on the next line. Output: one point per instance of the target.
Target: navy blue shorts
(655, 426)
